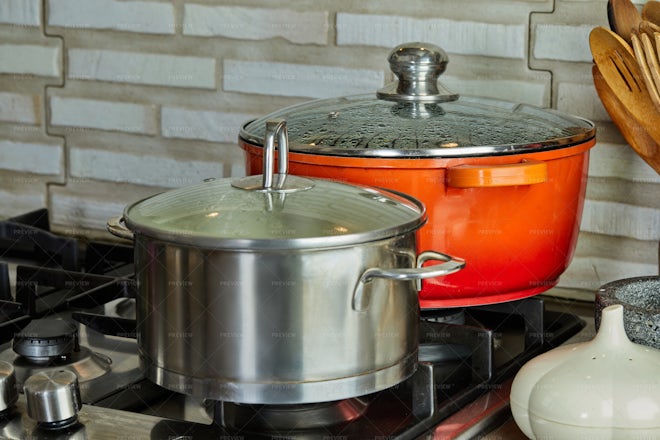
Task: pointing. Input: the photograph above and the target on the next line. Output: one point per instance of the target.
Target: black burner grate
(55, 273)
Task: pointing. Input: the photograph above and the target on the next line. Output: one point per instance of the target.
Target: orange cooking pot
(503, 183)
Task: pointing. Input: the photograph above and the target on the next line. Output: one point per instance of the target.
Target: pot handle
(117, 227)
(275, 130)
(527, 172)
(449, 265)
(270, 182)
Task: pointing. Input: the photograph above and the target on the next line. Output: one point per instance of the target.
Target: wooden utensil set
(627, 74)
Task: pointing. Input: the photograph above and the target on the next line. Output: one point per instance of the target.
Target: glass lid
(274, 211)
(416, 116)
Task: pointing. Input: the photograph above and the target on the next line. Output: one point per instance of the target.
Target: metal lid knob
(8, 392)
(417, 67)
(53, 398)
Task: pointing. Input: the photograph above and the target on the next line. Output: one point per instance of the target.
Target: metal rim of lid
(471, 151)
(179, 236)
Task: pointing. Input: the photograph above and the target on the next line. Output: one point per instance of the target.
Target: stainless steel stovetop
(466, 356)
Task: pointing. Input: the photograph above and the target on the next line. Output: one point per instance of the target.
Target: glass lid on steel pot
(416, 116)
(274, 211)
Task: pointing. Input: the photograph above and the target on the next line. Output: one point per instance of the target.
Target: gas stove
(68, 306)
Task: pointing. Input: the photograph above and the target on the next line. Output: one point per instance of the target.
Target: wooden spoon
(633, 133)
(621, 73)
(623, 17)
(651, 12)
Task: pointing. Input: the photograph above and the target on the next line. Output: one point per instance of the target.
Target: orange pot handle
(527, 172)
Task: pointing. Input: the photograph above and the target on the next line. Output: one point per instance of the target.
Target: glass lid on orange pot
(416, 116)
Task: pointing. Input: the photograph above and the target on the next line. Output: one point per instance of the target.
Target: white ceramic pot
(607, 388)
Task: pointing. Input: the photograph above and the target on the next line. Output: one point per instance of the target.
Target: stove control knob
(8, 392)
(53, 398)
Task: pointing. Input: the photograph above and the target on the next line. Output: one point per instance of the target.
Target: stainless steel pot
(278, 289)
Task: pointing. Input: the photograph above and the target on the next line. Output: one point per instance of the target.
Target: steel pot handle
(448, 266)
(270, 182)
(117, 227)
(275, 128)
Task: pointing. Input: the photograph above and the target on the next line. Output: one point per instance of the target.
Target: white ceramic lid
(607, 382)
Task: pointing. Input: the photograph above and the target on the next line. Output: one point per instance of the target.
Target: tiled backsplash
(103, 102)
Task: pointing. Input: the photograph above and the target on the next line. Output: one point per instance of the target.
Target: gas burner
(45, 340)
(436, 328)
(85, 363)
(125, 308)
(446, 342)
(443, 352)
(52, 344)
(444, 316)
(286, 418)
(106, 366)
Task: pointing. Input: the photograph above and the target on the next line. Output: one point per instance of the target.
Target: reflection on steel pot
(504, 183)
(276, 288)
